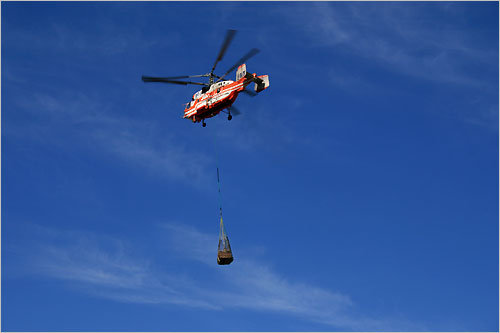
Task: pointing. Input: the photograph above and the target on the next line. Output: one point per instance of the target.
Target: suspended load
(224, 254)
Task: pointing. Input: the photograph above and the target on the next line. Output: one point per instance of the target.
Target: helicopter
(218, 94)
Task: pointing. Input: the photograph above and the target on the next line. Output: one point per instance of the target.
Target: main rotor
(211, 76)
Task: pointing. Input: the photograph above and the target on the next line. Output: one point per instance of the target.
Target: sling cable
(224, 254)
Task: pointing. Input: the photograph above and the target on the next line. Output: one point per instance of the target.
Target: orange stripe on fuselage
(200, 106)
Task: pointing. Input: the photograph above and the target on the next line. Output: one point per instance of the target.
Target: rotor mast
(211, 76)
(229, 37)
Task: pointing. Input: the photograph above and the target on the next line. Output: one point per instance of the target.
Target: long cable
(222, 234)
(218, 178)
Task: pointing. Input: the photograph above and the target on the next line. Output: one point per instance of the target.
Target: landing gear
(204, 124)
(229, 117)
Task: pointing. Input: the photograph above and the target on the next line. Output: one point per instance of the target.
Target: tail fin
(241, 72)
(261, 83)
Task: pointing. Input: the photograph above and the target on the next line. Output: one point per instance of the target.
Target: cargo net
(224, 254)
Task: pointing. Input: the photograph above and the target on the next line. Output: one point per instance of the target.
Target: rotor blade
(250, 93)
(229, 37)
(167, 80)
(247, 56)
(185, 76)
(233, 110)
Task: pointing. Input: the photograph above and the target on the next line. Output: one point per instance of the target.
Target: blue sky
(360, 191)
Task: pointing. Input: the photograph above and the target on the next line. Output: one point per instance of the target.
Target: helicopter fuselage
(219, 96)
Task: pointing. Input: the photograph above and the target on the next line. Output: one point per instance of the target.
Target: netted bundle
(224, 254)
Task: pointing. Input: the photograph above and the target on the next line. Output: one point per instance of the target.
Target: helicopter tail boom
(261, 82)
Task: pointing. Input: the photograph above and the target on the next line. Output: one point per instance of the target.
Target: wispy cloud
(392, 35)
(62, 105)
(102, 38)
(404, 40)
(170, 159)
(251, 284)
(92, 121)
(108, 267)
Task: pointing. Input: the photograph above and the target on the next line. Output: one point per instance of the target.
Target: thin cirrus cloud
(393, 36)
(256, 286)
(102, 39)
(105, 267)
(397, 39)
(134, 141)
(110, 268)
